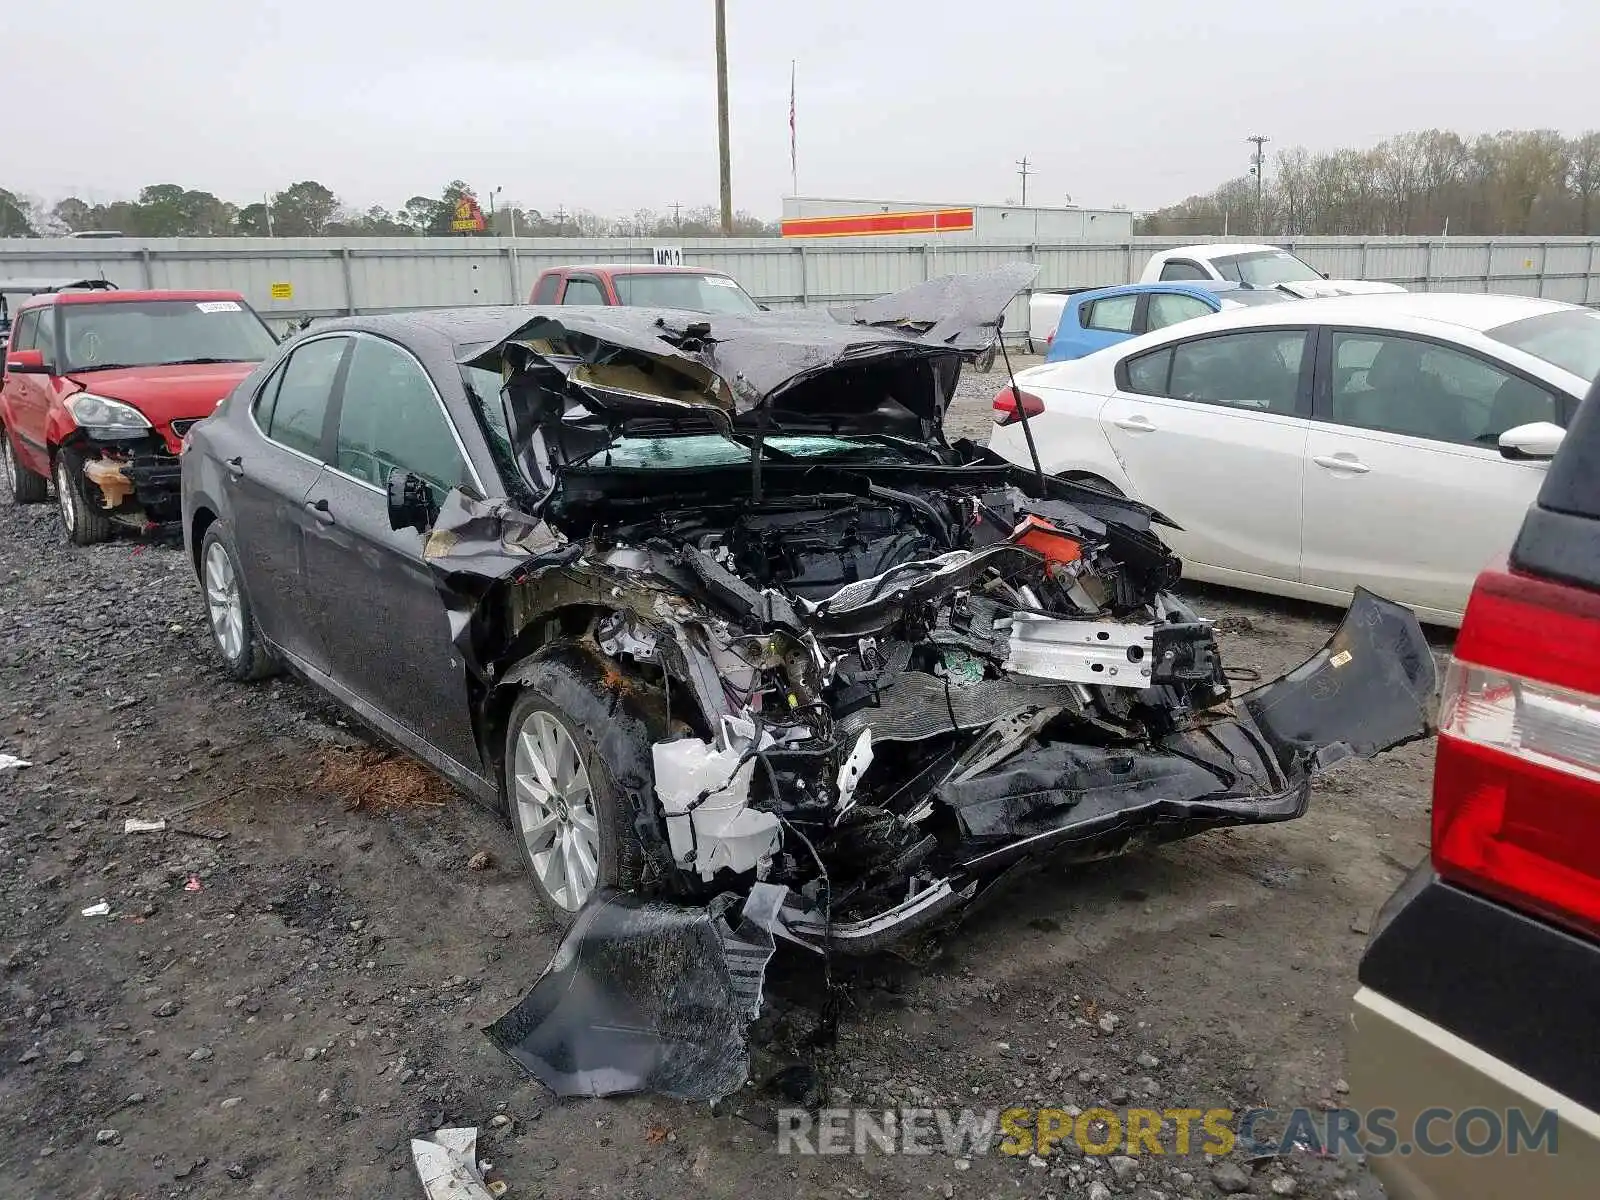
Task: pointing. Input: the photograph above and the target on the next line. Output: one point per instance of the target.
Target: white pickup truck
(1254, 266)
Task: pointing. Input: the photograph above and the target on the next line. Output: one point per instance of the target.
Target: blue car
(1103, 317)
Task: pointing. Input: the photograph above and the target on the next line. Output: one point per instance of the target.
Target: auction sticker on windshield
(216, 306)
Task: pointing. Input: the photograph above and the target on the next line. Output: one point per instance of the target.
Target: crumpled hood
(630, 362)
(1312, 289)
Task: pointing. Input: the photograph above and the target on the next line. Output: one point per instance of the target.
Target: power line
(1022, 169)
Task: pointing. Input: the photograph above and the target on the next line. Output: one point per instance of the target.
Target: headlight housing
(102, 412)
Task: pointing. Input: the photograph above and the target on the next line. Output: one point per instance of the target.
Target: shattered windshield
(674, 289)
(149, 333)
(1569, 339)
(1265, 268)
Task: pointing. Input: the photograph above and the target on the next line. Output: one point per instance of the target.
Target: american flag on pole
(793, 175)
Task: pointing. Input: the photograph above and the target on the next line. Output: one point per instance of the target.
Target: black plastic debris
(645, 996)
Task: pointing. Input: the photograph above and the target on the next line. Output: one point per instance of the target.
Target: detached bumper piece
(137, 480)
(646, 996)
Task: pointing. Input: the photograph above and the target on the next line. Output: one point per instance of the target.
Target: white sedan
(1388, 441)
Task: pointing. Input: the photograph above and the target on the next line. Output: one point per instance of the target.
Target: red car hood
(167, 394)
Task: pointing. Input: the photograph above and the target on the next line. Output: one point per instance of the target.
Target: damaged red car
(101, 385)
(710, 606)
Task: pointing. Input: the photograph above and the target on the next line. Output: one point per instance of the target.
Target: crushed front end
(887, 670)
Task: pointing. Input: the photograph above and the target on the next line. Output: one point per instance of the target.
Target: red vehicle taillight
(1005, 407)
(1516, 785)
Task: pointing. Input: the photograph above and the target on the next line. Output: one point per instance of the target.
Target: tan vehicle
(1477, 1023)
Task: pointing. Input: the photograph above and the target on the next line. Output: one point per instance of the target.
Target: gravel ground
(275, 1011)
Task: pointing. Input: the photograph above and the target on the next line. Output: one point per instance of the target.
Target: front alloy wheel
(555, 810)
(84, 520)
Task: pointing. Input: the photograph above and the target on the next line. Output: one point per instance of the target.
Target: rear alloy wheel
(86, 522)
(233, 626)
(26, 487)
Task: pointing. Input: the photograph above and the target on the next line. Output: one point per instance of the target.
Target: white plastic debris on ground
(10, 761)
(448, 1166)
(138, 825)
(720, 830)
(102, 909)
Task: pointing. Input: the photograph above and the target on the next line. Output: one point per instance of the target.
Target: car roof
(121, 297)
(1218, 249)
(1199, 288)
(1474, 311)
(635, 269)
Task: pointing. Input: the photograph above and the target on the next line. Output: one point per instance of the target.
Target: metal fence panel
(294, 277)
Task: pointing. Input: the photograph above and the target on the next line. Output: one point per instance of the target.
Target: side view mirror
(1324, 274)
(411, 503)
(26, 362)
(1535, 440)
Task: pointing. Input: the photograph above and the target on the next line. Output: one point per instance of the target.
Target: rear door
(1095, 324)
(1212, 431)
(375, 597)
(583, 289)
(268, 481)
(1406, 491)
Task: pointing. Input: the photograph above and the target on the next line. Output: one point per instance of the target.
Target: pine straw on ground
(379, 780)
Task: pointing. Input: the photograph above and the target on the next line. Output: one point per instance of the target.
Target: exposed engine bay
(884, 670)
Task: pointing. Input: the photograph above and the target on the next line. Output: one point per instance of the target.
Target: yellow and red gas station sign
(933, 220)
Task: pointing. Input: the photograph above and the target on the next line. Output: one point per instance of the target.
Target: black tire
(612, 732)
(84, 518)
(26, 487)
(249, 657)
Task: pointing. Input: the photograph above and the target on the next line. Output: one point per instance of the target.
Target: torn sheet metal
(956, 310)
(642, 996)
(1371, 688)
(632, 360)
(447, 1165)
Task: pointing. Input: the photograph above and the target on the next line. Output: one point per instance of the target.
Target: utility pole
(723, 163)
(677, 221)
(1258, 166)
(561, 218)
(1022, 169)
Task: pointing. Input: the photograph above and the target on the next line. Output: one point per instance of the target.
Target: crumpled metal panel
(738, 363)
(645, 995)
(1370, 689)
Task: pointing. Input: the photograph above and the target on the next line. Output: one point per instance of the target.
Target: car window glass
(1114, 314)
(1258, 370)
(44, 335)
(22, 334)
(1147, 374)
(544, 292)
(1404, 385)
(302, 397)
(391, 419)
(261, 407)
(1182, 270)
(583, 291)
(1168, 308)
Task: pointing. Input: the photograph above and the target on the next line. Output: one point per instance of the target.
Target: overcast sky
(611, 104)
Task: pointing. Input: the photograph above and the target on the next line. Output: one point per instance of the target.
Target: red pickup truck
(641, 286)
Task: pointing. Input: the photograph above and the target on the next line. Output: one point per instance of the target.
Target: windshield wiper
(196, 362)
(103, 366)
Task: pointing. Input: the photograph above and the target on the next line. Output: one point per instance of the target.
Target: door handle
(1341, 462)
(235, 467)
(1137, 424)
(319, 509)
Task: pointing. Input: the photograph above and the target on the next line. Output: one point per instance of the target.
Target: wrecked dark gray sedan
(710, 607)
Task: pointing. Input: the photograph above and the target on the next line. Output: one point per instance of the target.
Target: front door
(379, 609)
(27, 398)
(1210, 432)
(1406, 491)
